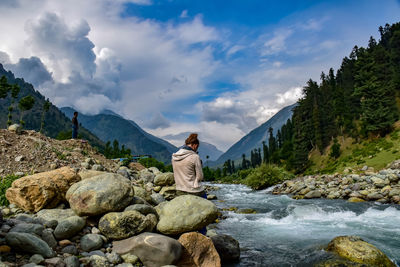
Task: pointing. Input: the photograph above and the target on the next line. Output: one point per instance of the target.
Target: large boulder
(86, 174)
(100, 194)
(29, 243)
(153, 250)
(164, 179)
(199, 251)
(228, 248)
(357, 250)
(42, 190)
(185, 214)
(120, 225)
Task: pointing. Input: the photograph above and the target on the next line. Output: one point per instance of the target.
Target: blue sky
(219, 68)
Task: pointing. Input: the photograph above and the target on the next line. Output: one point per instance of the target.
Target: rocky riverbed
(382, 186)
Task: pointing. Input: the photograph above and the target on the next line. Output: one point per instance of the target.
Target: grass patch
(5, 184)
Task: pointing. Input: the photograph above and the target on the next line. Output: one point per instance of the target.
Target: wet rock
(152, 249)
(227, 247)
(42, 190)
(198, 251)
(29, 243)
(100, 194)
(91, 242)
(186, 213)
(69, 227)
(357, 250)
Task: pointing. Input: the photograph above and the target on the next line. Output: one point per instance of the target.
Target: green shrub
(152, 162)
(5, 184)
(335, 149)
(266, 176)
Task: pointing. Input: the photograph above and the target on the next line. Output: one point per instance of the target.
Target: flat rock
(55, 214)
(153, 250)
(29, 243)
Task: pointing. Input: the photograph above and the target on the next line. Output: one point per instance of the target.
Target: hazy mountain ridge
(255, 138)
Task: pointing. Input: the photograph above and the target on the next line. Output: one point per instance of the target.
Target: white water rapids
(288, 232)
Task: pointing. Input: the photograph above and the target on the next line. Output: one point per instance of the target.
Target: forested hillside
(358, 101)
(55, 123)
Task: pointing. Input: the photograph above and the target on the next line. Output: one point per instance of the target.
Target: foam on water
(300, 228)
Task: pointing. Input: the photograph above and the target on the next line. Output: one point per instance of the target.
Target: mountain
(206, 149)
(110, 126)
(54, 121)
(255, 138)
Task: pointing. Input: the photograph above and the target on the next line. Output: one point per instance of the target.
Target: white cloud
(289, 97)
(277, 43)
(158, 121)
(234, 49)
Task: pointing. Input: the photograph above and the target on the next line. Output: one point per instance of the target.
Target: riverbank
(382, 186)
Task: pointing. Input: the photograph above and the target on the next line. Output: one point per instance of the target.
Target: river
(288, 232)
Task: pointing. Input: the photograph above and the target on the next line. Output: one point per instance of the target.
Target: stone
(71, 261)
(374, 196)
(168, 192)
(55, 214)
(71, 249)
(56, 261)
(184, 214)
(198, 251)
(32, 228)
(100, 194)
(125, 265)
(151, 222)
(95, 230)
(42, 190)
(154, 170)
(142, 208)
(113, 258)
(5, 249)
(96, 260)
(246, 211)
(146, 176)
(136, 166)
(355, 249)
(29, 243)
(19, 158)
(85, 165)
(313, 194)
(157, 198)
(69, 227)
(355, 199)
(36, 258)
(65, 242)
(164, 179)
(120, 225)
(123, 172)
(211, 197)
(152, 249)
(86, 174)
(130, 258)
(97, 167)
(48, 237)
(16, 128)
(378, 182)
(227, 247)
(141, 193)
(91, 242)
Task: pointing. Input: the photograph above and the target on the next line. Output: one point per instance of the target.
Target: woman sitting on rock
(188, 172)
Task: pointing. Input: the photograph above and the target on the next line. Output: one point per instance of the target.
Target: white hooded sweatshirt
(188, 172)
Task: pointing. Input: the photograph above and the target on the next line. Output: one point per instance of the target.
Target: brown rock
(4, 249)
(64, 242)
(42, 190)
(198, 251)
(136, 166)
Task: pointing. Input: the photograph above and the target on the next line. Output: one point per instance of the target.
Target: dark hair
(75, 113)
(192, 139)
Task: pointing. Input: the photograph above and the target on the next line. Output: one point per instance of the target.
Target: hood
(182, 154)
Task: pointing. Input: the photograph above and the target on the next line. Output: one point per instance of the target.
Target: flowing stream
(288, 232)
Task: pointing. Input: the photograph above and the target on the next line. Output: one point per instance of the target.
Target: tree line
(359, 101)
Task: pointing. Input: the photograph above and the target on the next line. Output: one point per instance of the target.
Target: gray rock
(95, 230)
(227, 247)
(97, 260)
(313, 194)
(55, 214)
(69, 227)
(164, 179)
(29, 265)
(157, 198)
(130, 258)
(15, 128)
(25, 218)
(91, 242)
(71, 261)
(138, 200)
(71, 249)
(56, 261)
(120, 225)
(19, 158)
(185, 214)
(124, 172)
(374, 196)
(48, 237)
(142, 208)
(85, 165)
(36, 258)
(36, 229)
(146, 176)
(97, 167)
(125, 265)
(152, 249)
(100, 194)
(29, 243)
(113, 258)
